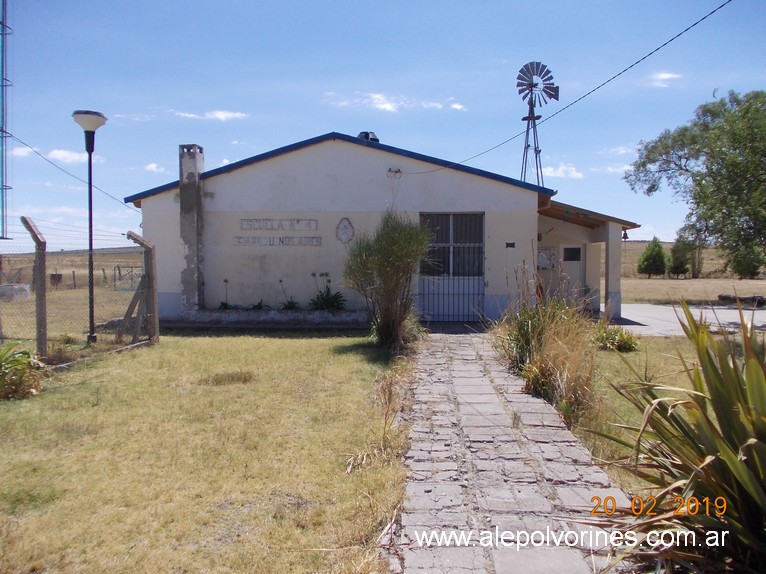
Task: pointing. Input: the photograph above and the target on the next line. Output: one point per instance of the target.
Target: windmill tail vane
(536, 87)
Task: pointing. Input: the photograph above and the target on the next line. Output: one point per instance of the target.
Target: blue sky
(241, 77)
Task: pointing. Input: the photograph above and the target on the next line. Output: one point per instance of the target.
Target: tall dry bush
(547, 341)
(381, 269)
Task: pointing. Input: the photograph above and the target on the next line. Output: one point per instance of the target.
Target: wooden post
(152, 318)
(41, 308)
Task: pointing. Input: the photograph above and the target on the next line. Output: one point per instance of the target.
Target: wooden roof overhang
(579, 216)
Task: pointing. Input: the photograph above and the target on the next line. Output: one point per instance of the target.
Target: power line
(76, 227)
(70, 174)
(601, 85)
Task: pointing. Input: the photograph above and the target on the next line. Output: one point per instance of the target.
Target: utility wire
(601, 85)
(55, 224)
(58, 167)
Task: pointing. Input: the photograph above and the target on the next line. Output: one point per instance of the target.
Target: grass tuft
(238, 377)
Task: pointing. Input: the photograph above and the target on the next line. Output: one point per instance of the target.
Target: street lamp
(90, 121)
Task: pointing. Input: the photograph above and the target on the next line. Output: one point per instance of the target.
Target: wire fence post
(40, 286)
(152, 318)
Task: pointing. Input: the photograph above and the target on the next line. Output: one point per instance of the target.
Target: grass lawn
(657, 359)
(201, 454)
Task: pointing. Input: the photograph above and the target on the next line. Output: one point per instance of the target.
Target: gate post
(39, 280)
(152, 318)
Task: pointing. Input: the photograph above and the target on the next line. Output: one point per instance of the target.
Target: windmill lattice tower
(535, 84)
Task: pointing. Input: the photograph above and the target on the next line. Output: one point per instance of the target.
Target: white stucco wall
(555, 234)
(277, 219)
(162, 228)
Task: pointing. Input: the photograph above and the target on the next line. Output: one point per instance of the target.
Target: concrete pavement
(661, 320)
(491, 463)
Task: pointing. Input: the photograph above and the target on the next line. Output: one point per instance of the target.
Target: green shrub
(746, 261)
(326, 300)
(381, 269)
(18, 376)
(526, 330)
(680, 256)
(653, 260)
(708, 443)
(614, 338)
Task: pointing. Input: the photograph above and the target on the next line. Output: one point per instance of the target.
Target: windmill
(535, 84)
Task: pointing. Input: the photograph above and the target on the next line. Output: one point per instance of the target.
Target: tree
(653, 260)
(746, 261)
(695, 235)
(680, 256)
(717, 164)
(381, 269)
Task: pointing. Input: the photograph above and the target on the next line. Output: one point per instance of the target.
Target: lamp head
(88, 120)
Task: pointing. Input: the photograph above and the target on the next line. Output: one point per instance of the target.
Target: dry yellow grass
(67, 305)
(637, 290)
(201, 454)
(657, 359)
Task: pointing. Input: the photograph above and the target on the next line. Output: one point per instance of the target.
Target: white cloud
(22, 151)
(224, 162)
(135, 117)
(621, 150)
(387, 103)
(187, 115)
(219, 115)
(563, 170)
(154, 168)
(67, 156)
(225, 115)
(621, 169)
(663, 79)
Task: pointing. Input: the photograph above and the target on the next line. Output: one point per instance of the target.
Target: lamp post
(90, 121)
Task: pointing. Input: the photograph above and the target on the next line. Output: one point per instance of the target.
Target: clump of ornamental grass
(381, 267)
(614, 338)
(704, 449)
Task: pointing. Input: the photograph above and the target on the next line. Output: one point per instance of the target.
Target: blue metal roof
(354, 140)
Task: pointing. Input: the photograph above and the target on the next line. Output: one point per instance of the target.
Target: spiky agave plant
(705, 450)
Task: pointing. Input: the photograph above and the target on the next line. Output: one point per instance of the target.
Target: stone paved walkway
(487, 458)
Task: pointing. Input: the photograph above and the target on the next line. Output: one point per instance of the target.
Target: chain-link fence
(118, 273)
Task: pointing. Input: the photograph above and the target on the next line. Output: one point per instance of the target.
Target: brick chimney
(191, 166)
